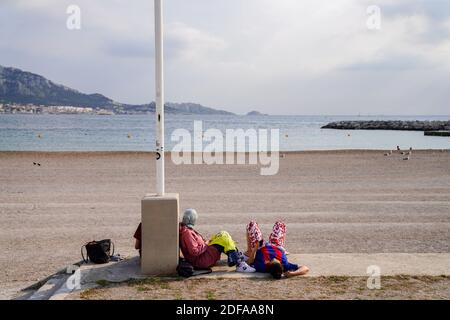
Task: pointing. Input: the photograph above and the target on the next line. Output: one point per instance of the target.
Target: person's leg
(219, 248)
(254, 236)
(137, 246)
(138, 235)
(225, 244)
(223, 239)
(235, 258)
(249, 244)
(278, 235)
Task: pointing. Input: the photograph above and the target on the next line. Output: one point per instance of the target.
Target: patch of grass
(178, 296)
(151, 283)
(399, 277)
(433, 278)
(337, 278)
(146, 281)
(259, 279)
(326, 287)
(142, 289)
(102, 283)
(337, 290)
(210, 295)
(164, 285)
(88, 294)
(192, 284)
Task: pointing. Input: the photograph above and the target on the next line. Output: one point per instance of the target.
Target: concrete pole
(159, 100)
(160, 211)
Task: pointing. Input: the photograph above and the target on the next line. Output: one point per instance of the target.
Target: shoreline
(168, 153)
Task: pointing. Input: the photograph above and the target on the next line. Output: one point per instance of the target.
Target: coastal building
(103, 112)
(68, 110)
(40, 109)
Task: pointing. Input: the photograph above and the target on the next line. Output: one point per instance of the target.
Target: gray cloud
(130, 49)
(286, 57)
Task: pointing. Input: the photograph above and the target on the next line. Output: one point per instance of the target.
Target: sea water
(136, 132)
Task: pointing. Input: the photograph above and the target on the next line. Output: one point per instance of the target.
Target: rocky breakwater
(390, 125)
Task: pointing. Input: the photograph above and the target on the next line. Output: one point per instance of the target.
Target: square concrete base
(160, 234)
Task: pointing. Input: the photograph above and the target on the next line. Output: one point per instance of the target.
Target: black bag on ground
(98, 251)
(186, 269)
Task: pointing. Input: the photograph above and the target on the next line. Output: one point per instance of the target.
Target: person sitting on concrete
(138, 237)
(202, 254)
(270, 257)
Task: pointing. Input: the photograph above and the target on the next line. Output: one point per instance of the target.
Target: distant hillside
(256, 113)
(21, 87)
(182, 108)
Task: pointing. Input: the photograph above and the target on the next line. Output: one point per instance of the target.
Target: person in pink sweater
(202, 254)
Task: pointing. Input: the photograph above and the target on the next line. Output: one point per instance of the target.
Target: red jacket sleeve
(193, 243)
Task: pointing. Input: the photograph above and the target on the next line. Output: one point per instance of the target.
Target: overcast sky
(275, 56)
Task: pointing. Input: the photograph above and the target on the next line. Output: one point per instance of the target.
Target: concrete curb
(46, 291)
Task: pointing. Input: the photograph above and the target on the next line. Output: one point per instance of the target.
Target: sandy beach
(332, 202)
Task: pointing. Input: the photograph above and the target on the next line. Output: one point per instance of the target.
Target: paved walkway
(333, 264)
(356, 264)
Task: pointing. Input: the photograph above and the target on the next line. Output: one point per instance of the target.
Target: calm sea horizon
(23, 132)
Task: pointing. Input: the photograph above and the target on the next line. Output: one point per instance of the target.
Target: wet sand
(333, 202)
